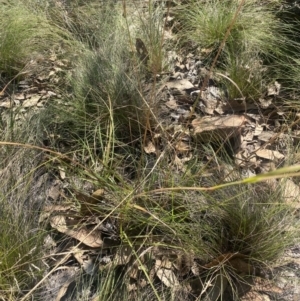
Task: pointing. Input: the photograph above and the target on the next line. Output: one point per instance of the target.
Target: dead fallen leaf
(181, 85)
(208, 123)
(98, 194)
(48, 210)
(6, 104)
(130, 287)
(211, 98)
(165, 263)
(258, 130)
(172, 104)
(269, 154)
(31, 101)
(87, 237)
(62, 172)
(149, 148)
(54, 192)
(290, 192)
(265, 285)
(265, 136)
(182, 147)
(255, 296)
(167, 277)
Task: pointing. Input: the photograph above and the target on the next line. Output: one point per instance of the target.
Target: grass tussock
(105, 116)
(207, 22)
(259, 48)
(20, 252)
(26, 33)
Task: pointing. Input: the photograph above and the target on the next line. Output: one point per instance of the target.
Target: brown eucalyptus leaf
(180, 85)
(6, 104)
(31, 101)
(182, 147)
(266, 136)
(91, 238)
(48, 210)
(209, 123)
(269, 154)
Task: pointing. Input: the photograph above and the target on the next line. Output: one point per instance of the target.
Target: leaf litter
(215, 117)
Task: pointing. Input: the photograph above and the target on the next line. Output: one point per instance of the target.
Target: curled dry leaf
(172, 104)
(266, 136)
